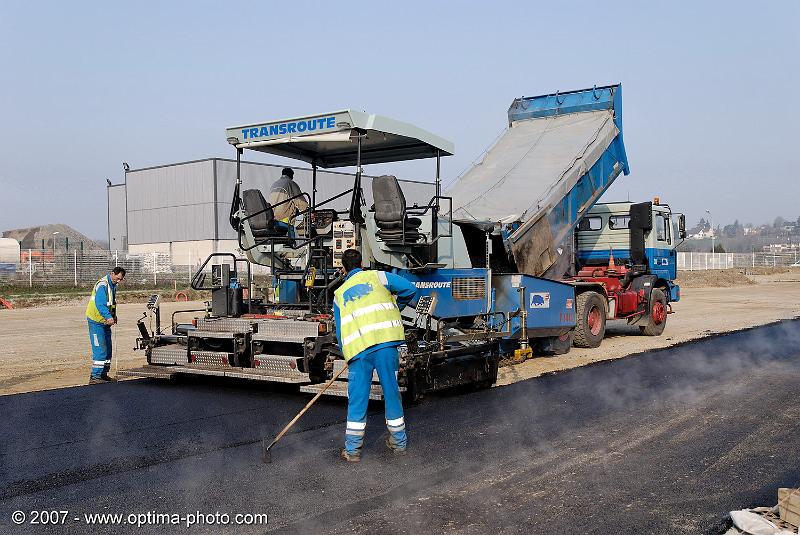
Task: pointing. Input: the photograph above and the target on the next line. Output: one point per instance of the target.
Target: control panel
(426, 305)
(344, 238)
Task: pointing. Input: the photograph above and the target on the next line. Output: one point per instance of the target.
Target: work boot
(350, 457)
(97, 381)
(393, 447)
(108, 379)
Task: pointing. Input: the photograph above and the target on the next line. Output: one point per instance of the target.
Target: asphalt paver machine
(472, 308)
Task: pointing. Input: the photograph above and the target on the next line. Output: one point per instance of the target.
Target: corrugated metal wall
(177, 203)
(171, 203)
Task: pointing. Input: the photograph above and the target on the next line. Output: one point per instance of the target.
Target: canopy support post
(435, 211)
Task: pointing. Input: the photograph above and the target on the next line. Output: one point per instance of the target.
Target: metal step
(209, 359)
(170, 354)
(284, 366)
(149, 371)
(339, 388)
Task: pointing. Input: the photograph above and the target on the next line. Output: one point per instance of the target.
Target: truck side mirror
(682, 226)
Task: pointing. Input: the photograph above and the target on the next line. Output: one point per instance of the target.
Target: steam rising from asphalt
(216, 460)
(543, 419)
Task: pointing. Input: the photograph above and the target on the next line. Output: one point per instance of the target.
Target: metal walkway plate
(259, 375)
(287, 330)
(239, 373)
(339, 388)
(149, 371)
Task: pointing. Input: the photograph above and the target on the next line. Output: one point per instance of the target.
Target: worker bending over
(366, 309)
(282, 190)
(101, 314)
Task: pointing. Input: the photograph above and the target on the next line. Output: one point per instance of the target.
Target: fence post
(754, 259)
(75, 252)
(155, 269)
(30, 269)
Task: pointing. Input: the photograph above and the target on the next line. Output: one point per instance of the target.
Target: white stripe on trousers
(356, 428)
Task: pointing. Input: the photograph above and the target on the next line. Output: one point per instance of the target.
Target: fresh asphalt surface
(666, 442)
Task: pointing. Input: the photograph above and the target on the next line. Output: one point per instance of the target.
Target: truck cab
(606, 230)
(625, 264)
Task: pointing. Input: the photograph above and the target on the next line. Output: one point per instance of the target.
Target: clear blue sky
(710, 116)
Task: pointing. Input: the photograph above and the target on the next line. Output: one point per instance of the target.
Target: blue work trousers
(100, 340)
(359, 376)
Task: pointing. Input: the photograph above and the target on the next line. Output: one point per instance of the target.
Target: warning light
(656, 200)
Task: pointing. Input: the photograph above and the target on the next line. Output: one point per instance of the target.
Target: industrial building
(183, 208)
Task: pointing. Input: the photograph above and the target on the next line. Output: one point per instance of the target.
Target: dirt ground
(48, 347)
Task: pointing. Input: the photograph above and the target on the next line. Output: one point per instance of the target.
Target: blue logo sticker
(357, 292)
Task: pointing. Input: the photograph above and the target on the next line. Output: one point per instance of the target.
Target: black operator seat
(390, 208)
(263, 224)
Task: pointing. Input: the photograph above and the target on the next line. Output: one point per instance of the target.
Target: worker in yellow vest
(366, 309)
(101, 314)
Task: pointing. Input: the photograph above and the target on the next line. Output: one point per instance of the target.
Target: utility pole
(711, 222)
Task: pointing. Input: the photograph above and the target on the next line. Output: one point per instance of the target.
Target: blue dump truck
(493, 258)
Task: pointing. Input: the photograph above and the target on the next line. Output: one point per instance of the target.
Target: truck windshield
(662, 228)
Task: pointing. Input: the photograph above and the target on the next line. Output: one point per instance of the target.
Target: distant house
(702, 234)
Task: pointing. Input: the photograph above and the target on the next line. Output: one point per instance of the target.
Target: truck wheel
(590, 322)
(657, 318)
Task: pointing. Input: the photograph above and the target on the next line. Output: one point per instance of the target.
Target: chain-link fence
(41, 267)
(689, 261)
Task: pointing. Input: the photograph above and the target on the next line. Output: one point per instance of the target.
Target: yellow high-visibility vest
(91, 308)
(368, 313)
